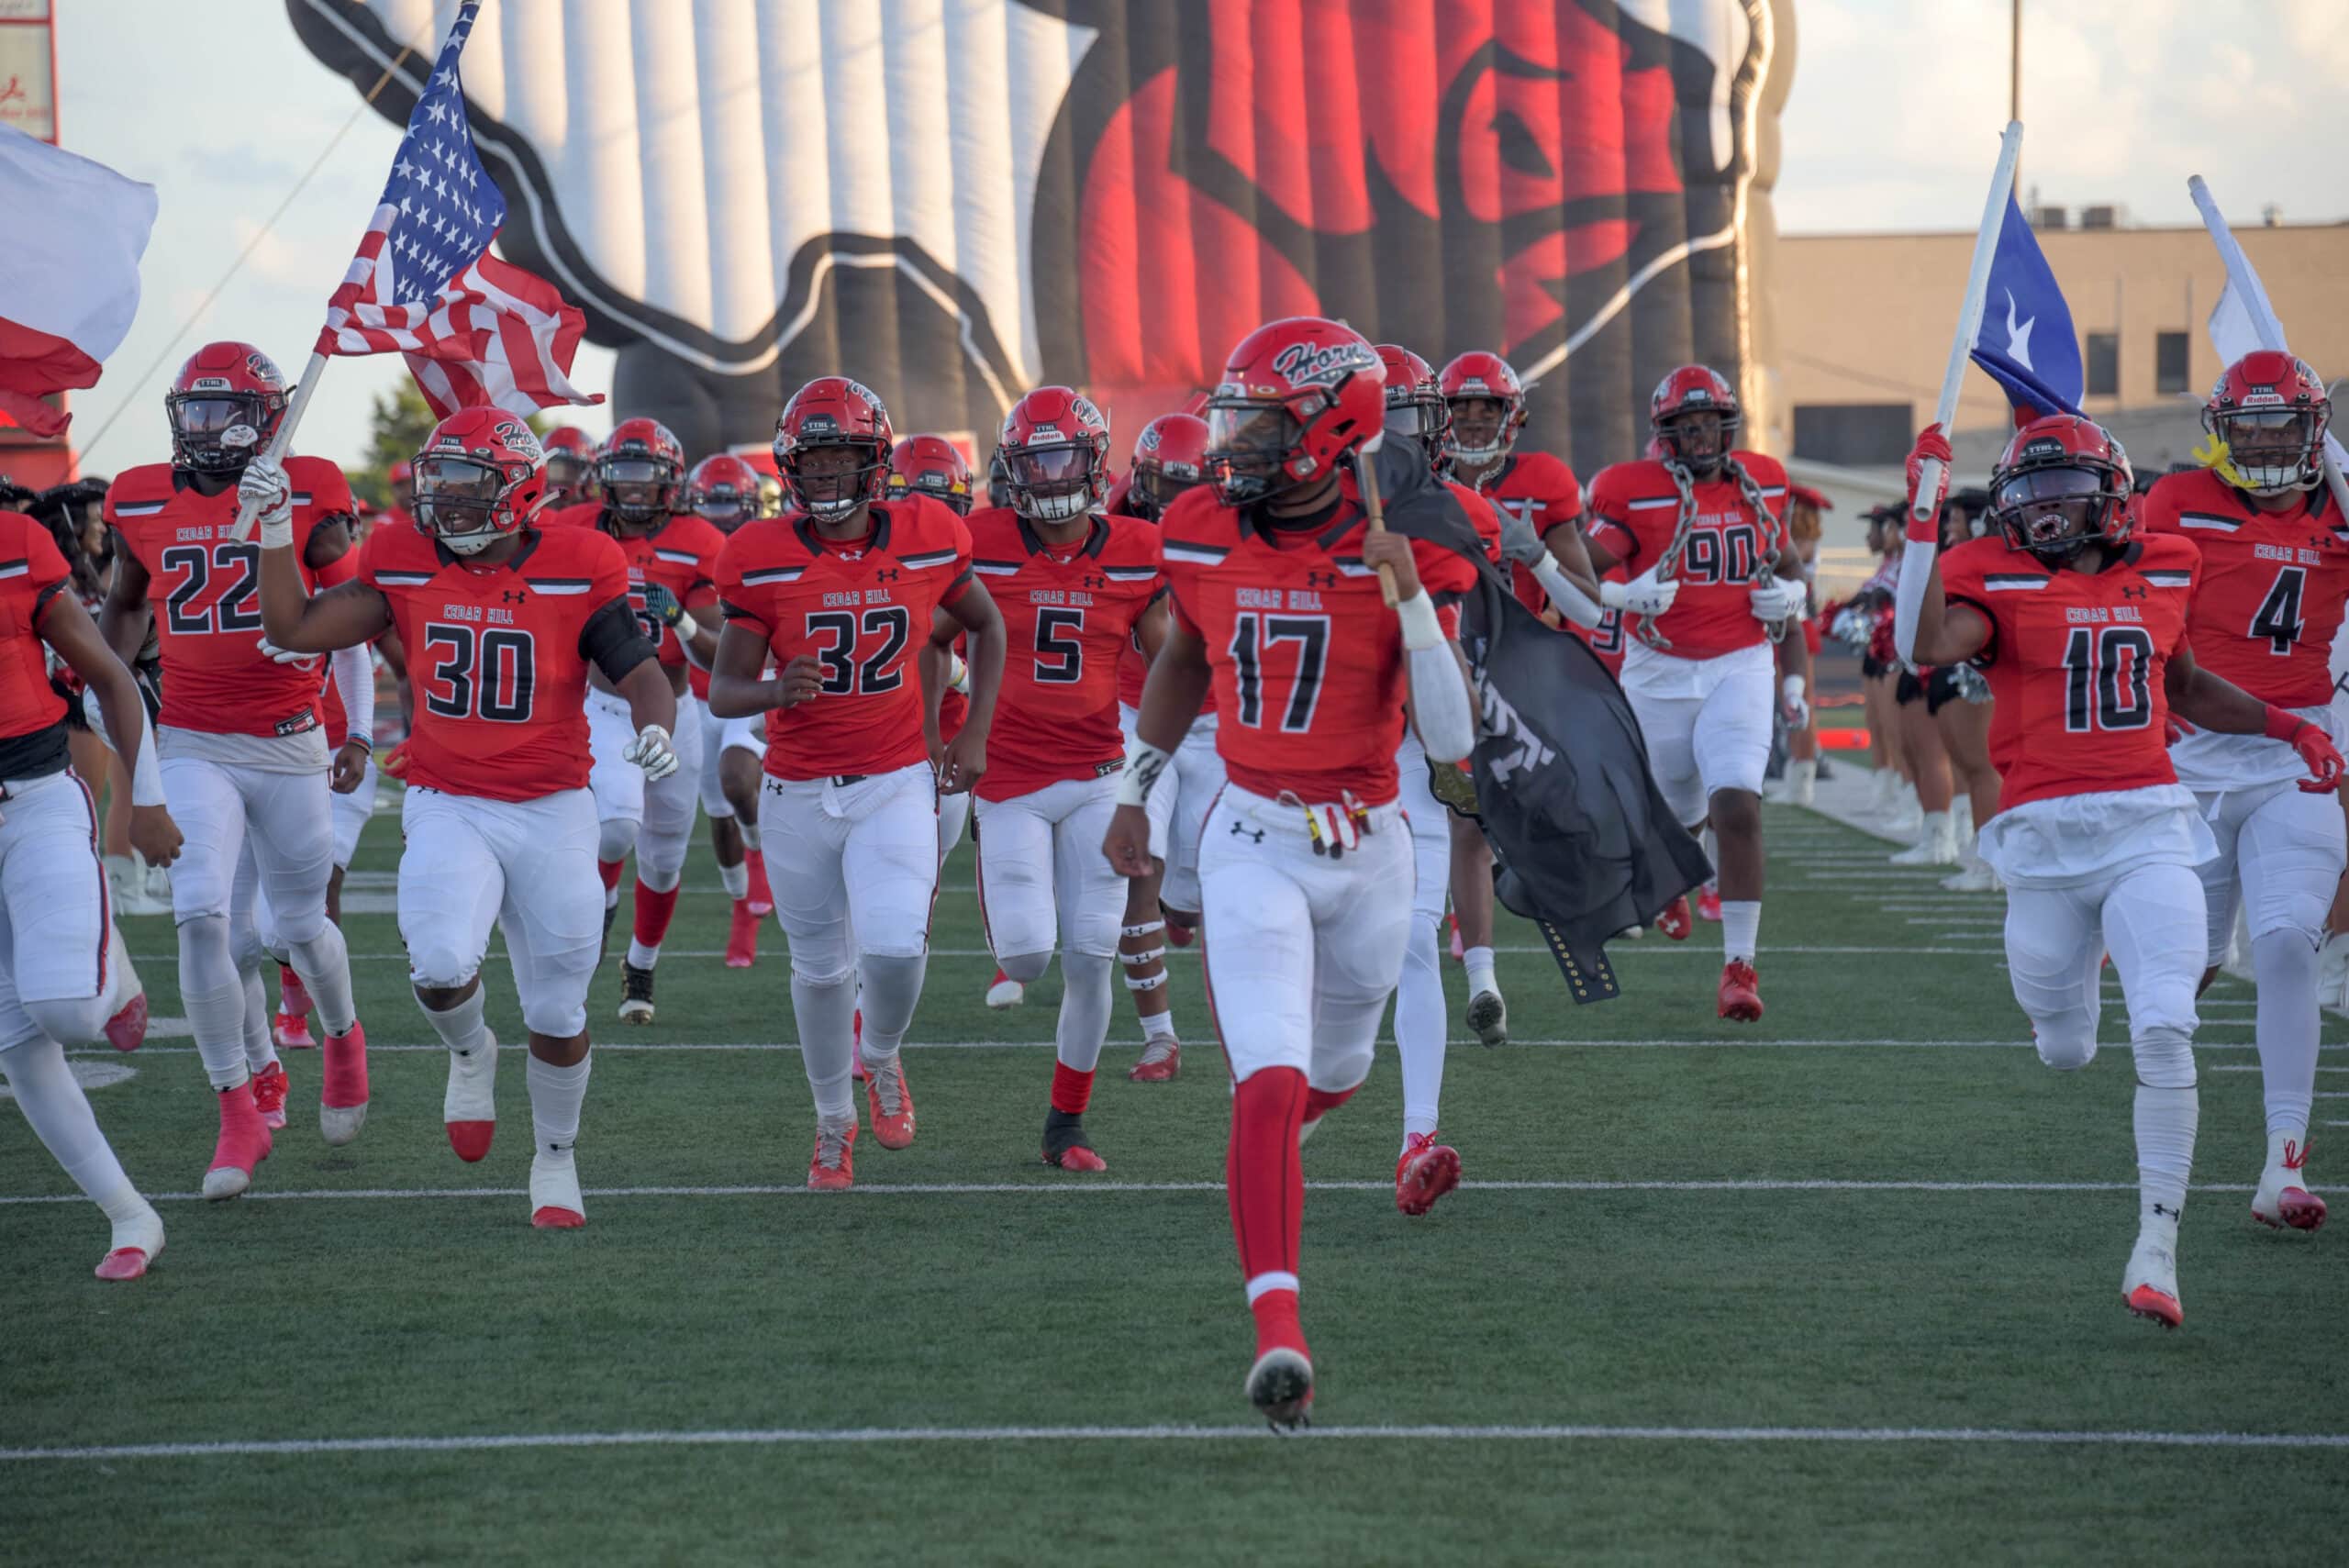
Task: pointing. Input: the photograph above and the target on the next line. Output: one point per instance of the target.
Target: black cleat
(636, 993)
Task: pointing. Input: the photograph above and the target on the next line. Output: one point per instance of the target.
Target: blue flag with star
(447, 209)
(2025, 341)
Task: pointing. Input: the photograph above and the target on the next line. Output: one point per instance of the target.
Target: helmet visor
(210, 415)
(1247, 445)
(2262, 437)
(1695, 436)
(565, 470)
(728, 507)
(2050, 509)
(1422, 418)
(1049, 469)
(457, 495)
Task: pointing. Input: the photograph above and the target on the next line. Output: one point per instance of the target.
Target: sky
(1892, 124)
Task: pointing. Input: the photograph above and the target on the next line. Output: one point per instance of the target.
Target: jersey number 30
(2107, 673)
(473, 674)
(1252, 641)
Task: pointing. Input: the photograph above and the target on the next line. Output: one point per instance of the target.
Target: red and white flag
(477, 331)
(69, 275)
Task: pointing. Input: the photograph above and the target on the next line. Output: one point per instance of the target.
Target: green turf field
(1843, 1286)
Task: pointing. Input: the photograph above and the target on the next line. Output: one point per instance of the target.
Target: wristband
(277, 533)
(1791, 689)
(1421, 629)
(1612, 594)
(2282, 724)
(1144, 762)
(147, 772)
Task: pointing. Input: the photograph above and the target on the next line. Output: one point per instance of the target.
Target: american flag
(477, 331)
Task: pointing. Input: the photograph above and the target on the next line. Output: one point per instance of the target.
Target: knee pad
(71, 1021)
(438, 963)
(556, 1018)
(249, 945)
(660, 866)
(207, 952)
(892, 986)
(614, 837)
(2066, 1043)
(2164, 1058)
(1339, 1072)
(2285, 959)
(1025, 967)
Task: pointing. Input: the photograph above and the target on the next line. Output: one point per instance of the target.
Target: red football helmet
(831, 447)
(1695, 417)
(1414, 404)
(1484, 407)
(1170, 457)
(641, 475)
(2062, 483)
(1055, 449)
(1296, 398)
(933, 466)
(224, 406)
(481, 476)
(722, 488)
(401, 472)
(570, 452)
(2271, 411)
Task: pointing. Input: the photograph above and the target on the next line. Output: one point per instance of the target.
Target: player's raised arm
(1947, 633)
(343, 617)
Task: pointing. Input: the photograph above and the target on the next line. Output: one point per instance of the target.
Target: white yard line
(1649, 946)
(784, 1437)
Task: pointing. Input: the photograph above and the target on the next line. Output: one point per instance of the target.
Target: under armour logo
(2171, 1212)
(1096, 581)
(1242, 830)
(775, 786)
(514, 596)
(888, 576)
(2133, 591)
(1320, 579)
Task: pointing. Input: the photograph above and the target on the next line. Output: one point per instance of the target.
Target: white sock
(641, 957)
(1083, 1024)
(260, 1039)
(1158, 1026)
(2166, 1123)
(1935, 827)
(737, 879)
(1741, 927)
(825, 1016)
(59, 1114)
(1478, 961)
(891, 988)
(556, 1095)
(1422, 1025)
(460, 1027)
(2284, 963)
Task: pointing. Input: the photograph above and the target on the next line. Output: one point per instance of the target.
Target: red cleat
(1426, 1172)
(832, 1167)
(342, 1087)
(292, 1025)
(1708, 906)
(891, 1104)
(555, 1217)
(127, 1030)
(292, 1031)
(762, 899)
(1076, 1157)
(743, 936)
(1161, 1060)
(856, 1046)
(1741, 995)
(1459, 948)
(122, 1264)
(2159, 1306)
(1181, 933)
(1065, 1145)
(1675, 921)
(269, 1094)
(243, 1144)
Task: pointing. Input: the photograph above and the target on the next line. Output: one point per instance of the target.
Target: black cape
(1583, 842)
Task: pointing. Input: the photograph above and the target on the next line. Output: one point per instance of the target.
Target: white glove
(651, 752)
(1518, 541)
(269, 493)
(960, 679)
(1796, 706)
(1643, 596)
(1779, 599)
(287, 656)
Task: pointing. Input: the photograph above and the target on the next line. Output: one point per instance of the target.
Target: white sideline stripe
(1616, 953)
(107, 1052)
(2254, 1067)
(1049, 1188)
(778, 1437)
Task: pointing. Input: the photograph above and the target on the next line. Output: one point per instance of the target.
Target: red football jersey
(2273, 587)
(500, 682)
(1133, 667)
(1068, 614)
(204, 595)
(1542, 490)
(2075, 663)
(32, 569)
(682, 558)
(1306, 661)
(1635, 512)
(862, 607)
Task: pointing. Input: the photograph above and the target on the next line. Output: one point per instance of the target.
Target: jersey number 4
(2108, 672)
(237, 609)
(1253, 640)
(2278, 620)
(836, 633)
(491, 674)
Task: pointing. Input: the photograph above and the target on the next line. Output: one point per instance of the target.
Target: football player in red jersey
(505, 620)
(570, 460)
(243, 753)
(640, 477)
(1275, 573)
(2080, 621)
(1703, 528)
(1169, 458)
(2265, 613)
(1076, 587)
(723, 491)
(839, 592)
(65, 978)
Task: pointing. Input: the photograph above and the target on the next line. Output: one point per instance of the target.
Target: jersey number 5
(845, 673)
(474, 674)
(2108, 672)
(1060, 647)
(2278, 620)
(1253, 639)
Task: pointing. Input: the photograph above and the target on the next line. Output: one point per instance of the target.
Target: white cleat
(1936, 846)
(2150, 1284)
(1489, 1017)
(555, 1202)
(1973, 876)
(138, 1241)
(1005, 992)
(2283, 1201)
(468, 1105)
(224, 1182)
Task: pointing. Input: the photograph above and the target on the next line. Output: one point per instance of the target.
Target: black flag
(1583, 842)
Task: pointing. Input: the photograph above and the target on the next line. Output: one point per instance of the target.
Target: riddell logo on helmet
(1323, 364)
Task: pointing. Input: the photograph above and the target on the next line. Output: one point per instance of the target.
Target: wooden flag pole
(1366, 485)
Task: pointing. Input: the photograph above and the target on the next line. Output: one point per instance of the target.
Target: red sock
(610, 871)
(1320, 1103)
(1071, 1090)
(1266, 1185)
(758, 864)
(653, 912)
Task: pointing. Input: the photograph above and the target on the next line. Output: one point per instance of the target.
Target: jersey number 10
(2107, 673)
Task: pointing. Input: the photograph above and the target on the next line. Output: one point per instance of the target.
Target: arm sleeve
(1440, 703)
(614, 640)
(354, 682)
